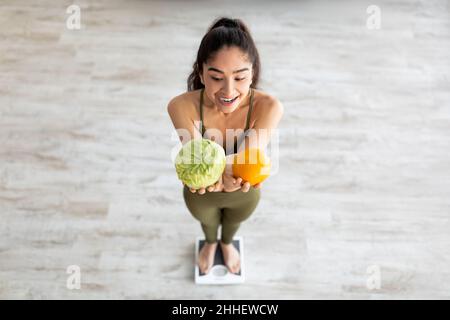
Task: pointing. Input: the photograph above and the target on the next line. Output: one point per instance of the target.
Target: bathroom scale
(219, 273)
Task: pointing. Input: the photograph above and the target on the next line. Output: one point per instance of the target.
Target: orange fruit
(251, 165)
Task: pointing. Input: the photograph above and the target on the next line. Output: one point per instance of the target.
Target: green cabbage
(200, 163)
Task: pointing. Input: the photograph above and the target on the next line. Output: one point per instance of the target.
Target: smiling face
(227, 78)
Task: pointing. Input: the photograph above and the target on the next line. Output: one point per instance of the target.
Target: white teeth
(227, 100)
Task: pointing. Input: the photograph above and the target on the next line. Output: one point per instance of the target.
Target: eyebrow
(220, 71)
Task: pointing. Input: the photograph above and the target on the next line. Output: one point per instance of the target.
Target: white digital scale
(219, 273)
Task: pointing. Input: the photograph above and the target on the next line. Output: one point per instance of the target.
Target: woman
(222, 95)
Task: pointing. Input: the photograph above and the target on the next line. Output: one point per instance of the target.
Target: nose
(228, 88)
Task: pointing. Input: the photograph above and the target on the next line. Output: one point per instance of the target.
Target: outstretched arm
(186, 130)
(259, 137)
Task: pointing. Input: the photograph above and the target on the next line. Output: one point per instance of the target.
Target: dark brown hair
(224, 32)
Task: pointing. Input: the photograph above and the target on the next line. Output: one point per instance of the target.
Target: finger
(192, 190)
(238, 181)
(211, 188)
(201, 191)
(246, 187)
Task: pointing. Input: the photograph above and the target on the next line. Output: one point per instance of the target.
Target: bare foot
(231, 257)
(206, 257)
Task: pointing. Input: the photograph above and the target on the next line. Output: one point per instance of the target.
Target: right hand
(217, 187)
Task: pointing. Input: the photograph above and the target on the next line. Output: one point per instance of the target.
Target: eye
(219, 79)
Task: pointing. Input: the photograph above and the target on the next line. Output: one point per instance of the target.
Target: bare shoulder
(267, 116)
(267, 106)
(184, 103)
(183, 112)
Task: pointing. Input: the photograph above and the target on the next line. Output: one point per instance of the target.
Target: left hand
(230, 183)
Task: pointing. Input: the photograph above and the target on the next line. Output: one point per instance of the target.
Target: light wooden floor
(86, 176)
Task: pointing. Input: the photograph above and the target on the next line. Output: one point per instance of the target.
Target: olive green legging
(226, 208)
